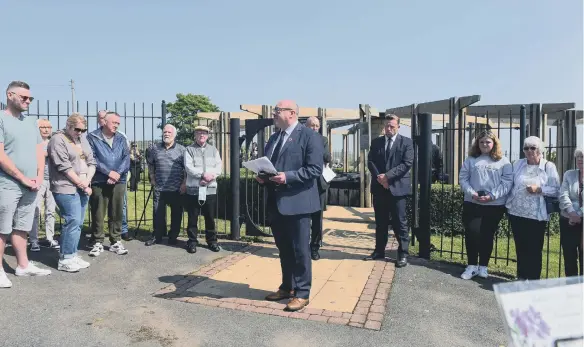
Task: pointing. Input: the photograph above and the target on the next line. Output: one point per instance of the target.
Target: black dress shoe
(402, 262)
(314, 254)
(127, 237)
(192, 247)
(214, 247)
(152, 242)
(375, 256)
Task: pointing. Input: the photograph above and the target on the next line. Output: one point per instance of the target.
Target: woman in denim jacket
(571, 217)
(533, 179)
(485, 178)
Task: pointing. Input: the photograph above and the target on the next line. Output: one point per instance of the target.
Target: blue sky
(333, 54)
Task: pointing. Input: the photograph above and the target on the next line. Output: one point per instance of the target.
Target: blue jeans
(72, 208)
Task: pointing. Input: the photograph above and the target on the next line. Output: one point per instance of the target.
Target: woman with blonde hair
(571, 207)
(486, 177)
(534, 179)
(70, 170)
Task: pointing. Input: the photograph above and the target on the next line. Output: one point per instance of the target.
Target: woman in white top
(533, 178)
(571, 217)
(486, 178)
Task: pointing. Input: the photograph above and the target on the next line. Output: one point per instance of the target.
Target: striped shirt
(168, 165)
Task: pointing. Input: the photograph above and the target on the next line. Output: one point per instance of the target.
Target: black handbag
(552, 203)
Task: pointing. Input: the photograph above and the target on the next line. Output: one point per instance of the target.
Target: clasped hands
(383, 180)
(206, 178)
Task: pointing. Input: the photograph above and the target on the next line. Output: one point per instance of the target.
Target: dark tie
(388, 150)
(276, 151)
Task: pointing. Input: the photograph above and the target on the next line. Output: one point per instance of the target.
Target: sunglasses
(79, 130)
(24, 98)
(532, 148)
(278, 110)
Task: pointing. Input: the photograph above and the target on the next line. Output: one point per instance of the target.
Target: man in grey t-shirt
(21, 174)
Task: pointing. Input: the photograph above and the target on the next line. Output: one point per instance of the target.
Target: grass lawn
(453, 251)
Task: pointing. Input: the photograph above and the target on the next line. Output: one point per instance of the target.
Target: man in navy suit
(390, 159)
(297, 154)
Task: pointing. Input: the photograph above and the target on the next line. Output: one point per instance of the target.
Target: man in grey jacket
(202, 166)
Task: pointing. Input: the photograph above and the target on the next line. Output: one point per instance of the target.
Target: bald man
(297, 154)
(316, 233)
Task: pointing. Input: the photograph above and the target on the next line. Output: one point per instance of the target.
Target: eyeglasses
(278, 110)
(532, 148)
(49, 127)
(79, 130)
(23, 98)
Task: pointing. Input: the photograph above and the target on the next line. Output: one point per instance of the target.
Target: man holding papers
(297, 154)
(323, 185)
(390, 159)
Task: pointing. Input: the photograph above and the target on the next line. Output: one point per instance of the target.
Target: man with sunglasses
(112, 155)
(297, 154)
(20, 178)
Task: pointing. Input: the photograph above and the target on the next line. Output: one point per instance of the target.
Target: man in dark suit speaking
(316, 234)
(297, 154)
(390, 159)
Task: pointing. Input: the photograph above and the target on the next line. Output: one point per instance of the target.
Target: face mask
(202, 193)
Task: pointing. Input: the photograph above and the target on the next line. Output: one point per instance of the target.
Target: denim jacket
(115, 158)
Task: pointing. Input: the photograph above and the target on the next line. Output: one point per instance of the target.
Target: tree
(183, 114)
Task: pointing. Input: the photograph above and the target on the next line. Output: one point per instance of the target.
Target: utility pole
(72, 95)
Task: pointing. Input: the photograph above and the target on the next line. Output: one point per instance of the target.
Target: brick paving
(346, 290)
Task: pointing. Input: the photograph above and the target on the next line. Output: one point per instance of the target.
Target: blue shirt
(20, 136)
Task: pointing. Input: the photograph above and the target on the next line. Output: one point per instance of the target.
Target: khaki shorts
(17, 209)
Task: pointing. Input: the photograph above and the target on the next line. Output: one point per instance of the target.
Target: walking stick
(143, 212)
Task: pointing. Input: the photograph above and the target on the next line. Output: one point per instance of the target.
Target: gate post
(235, 149)
(424, 174)
(163, 113)
(522, 129)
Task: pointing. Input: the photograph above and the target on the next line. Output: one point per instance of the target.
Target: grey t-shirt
(20, 136)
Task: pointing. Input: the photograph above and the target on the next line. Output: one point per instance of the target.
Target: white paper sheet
(262, 164)
(328, 174)
(540, 314)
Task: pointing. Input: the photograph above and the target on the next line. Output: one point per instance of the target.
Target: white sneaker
(4, 281)
(483, 273)
(54, 244)
(82, 263)
(118, 248)
(96, 250)
(32, 270)
(68, 265)
(35, 247)
(470, 272)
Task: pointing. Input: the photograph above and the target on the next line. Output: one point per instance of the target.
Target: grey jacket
(569, 193)
(199, 160)
(63, 156)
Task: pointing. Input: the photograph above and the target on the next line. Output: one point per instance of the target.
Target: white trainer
(82, 263)
(483, 273)
(118, 248)
(470, 272)
(31, 270)
(68, 265)
(4, 281)
(96, 250)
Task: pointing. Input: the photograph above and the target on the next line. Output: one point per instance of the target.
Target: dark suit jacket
(322, 184)
(401, 159)
(301, 159)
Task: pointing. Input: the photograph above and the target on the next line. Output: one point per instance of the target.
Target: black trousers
(316, 224)
(480, 225)
(135, 171)
(571, 241)
(175, 201)
(384, 205)
(208, 209)
(529, 235)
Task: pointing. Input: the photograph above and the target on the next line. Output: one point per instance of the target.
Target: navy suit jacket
(397, 169)
(301, 159)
